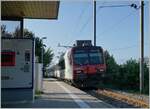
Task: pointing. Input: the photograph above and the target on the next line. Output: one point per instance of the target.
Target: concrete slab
(58, 94)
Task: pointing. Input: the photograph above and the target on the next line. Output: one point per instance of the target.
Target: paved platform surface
(58, 94)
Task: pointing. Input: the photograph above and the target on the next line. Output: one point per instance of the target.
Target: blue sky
(118, 29)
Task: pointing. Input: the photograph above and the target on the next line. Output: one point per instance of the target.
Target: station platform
(58, 94)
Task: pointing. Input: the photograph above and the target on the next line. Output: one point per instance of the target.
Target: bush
(125, 76)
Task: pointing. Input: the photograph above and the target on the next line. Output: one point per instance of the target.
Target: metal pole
(142, 47)
(42, 59)
(42, 53)
(21, 28)
(42, 66)
(94, 22)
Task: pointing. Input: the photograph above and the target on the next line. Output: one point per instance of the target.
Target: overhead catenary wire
(132, 5)
(84, 25)
(87, 21)
(127, 47)
(114, 6)
(122, 5)
(78, 20)
(100, 7)
(80, 16)
(124, 48)
(114, 26)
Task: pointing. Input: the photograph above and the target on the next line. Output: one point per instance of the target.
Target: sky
(118, 29)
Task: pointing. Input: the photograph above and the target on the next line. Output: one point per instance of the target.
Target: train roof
(86, 47)
(82, 47)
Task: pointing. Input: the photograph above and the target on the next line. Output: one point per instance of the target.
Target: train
(83, 65)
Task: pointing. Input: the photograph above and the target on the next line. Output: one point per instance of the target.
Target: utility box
(17, 70)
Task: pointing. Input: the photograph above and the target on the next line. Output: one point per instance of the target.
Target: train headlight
(78, 71)
(101, 70)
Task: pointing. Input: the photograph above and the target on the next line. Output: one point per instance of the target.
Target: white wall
(38, 76)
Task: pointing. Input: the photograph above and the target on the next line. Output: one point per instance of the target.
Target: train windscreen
(95, 57)
(84, 57)
(81, 58)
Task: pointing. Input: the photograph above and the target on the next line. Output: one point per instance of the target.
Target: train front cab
(89, 75)
(84, 78)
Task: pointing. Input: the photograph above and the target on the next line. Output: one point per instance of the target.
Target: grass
(129, 90)
(38, 94)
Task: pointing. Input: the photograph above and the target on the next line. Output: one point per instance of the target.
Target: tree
(111, 68)
(28, 33)
(17, 32)
(38, 48)
(5, 33)
(3, 29)
(48, 54)
(129, 75)
(146, 79)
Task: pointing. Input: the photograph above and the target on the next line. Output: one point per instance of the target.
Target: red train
(83, 65)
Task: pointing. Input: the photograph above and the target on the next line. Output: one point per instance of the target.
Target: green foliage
(112, 68)
(146, 79)
(125, 76)
(129, 75)
(38, 94)
(38, 48)
(17, 32)
(5, 33)
(48, 56)
(28, 34)
(3, 29)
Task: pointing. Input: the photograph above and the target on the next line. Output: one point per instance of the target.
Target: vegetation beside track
(124, 76)
(38, 94)
(127, 98)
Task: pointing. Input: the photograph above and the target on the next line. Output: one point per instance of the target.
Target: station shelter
(14, 87)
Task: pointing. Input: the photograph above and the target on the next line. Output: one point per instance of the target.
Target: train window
(94, 51)
(79, 51)
(80, 55)
(81, 58)
(8, 59)
(96, 58)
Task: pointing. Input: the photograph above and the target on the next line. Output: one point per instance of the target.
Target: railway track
(118, 99)
(124, 98)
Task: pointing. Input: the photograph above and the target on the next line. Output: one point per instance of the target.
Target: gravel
(134, 95)
(109, 100)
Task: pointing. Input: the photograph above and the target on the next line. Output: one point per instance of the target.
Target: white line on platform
(80, 102)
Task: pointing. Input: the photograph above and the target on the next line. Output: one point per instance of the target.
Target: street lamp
(42, 52)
